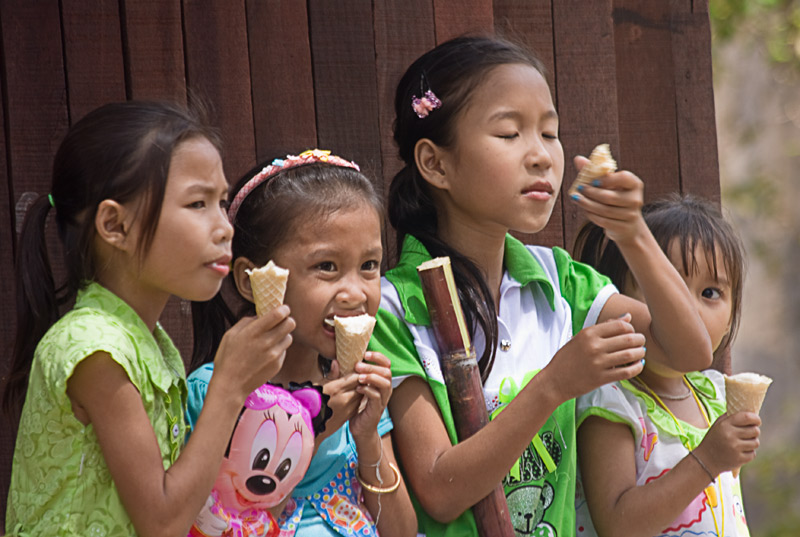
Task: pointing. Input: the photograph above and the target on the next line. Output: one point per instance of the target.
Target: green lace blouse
(60, 484)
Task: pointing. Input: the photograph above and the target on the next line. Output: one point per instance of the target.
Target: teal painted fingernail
(580, 188)
(575, 197)
(596, 182)
(642, 361)
(645, 349)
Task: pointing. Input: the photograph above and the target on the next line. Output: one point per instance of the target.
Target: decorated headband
(306, 157)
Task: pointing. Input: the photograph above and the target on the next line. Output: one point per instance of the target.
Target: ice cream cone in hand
(268, 284)
(600, 163)
(745, 392)
(352, 337)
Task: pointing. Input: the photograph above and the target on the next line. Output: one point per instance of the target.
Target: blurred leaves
(776, 23)
(772, 481)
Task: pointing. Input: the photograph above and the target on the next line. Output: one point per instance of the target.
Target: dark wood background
(286, 75)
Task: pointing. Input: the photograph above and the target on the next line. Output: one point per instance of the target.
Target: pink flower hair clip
(426, 104)
(306, 157)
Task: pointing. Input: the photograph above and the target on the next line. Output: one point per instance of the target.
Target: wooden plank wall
(286, 75)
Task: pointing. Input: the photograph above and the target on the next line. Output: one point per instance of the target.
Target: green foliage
(757, 198)
(773, 22)
(772, 482)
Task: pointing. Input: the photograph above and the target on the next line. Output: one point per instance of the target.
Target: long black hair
(684, 220)
(264, 222)
(452, 70)
(120, 151)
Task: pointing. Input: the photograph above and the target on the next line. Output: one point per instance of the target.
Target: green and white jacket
(545, 298)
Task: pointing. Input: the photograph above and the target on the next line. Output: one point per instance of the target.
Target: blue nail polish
(642, 361)
(645, 349)
(596, 182)
(580, 188)
(575, 197)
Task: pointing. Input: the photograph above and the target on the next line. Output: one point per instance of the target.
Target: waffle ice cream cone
(600, 163)
(352, 336)
(745, 393)
(269, 285)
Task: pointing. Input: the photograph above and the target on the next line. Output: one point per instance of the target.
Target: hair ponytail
(36, 301)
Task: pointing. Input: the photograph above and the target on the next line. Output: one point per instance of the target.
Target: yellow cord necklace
(711, 492)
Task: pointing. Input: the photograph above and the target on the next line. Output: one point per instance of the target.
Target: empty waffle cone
(600, 163)
(268, 284)
(352, 337)
(745, 392)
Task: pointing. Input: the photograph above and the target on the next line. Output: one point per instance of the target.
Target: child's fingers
(610, 204)
(377, 358)
(367, 367)
(347, 383)
(617, 182)
(373, 395)
(625, 371)
(335, 371)
(382, 382)
(626, 342)
(745, 419)
(613, 327)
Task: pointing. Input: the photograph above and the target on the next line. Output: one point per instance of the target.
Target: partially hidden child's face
(712, 296)
(191, 250)
(334, 269)
(507, 162)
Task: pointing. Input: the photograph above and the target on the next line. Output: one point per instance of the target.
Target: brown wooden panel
(646, 85)
(93, 52)
(530, 23)
(153, 49)
(218, 68)
(694, 99)
(586, 90)
(345, 81)
(466, 16)
(397, 45)
(7, 308)
(35, 120)
(282, 81)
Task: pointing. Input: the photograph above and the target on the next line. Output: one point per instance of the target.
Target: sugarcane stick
(462, 378)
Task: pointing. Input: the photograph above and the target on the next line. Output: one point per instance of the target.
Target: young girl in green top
(139, 197)
(478, 132)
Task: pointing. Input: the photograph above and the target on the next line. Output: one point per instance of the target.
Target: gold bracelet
(376, 490)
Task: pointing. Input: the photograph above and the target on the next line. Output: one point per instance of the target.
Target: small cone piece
(352, 337)
(745, 393)
(600, 163)
(269, 285)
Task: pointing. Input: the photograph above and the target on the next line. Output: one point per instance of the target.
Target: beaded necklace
(712, 493)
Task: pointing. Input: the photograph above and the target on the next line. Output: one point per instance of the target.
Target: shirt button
(175, 430)
(505, 344)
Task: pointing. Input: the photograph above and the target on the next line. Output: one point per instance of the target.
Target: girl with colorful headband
(318, 216)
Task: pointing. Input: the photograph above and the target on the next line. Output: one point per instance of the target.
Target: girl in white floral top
(651, 461)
